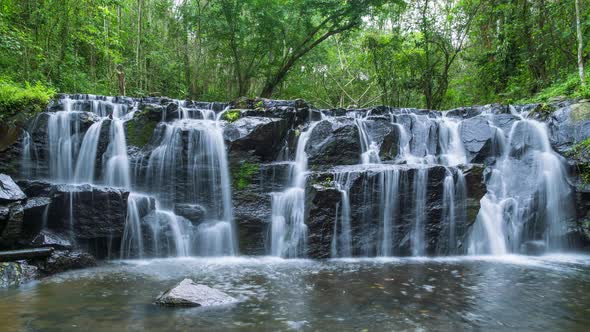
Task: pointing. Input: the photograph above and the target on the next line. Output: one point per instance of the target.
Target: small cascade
(63, 132)
(370, 149)
(288, 229)
(342, 237)
(116, 167)
(85, 164)
(390, 201)
(419, 189)
(190, 165)
(528, 177)
(29, 155)
(454, 212)
(452, 150)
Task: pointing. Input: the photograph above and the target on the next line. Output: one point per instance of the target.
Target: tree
(580, 45)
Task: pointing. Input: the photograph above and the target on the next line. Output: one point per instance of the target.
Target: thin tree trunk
(580, 45)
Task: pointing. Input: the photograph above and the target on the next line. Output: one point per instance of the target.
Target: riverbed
(550, 293)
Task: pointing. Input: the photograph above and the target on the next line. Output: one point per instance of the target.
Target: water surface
(549, 293)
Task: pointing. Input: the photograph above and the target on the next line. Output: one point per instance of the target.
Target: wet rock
(193, 212)
(333, 144)
(11, 223)
(15, 273)
(568, 126)
(260, 136)
(11, 149)
(189, 294)
(89, 211)
(478, 138)
(48, 238)
(64, 260)
(9, 190)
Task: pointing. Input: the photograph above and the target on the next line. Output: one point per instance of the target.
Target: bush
(569, 88)
(21, 103)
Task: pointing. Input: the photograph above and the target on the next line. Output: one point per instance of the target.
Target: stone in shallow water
(189, 294)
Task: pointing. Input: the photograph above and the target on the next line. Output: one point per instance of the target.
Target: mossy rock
(139, 131)
(243, 176)
(232, 115)
(581, 111)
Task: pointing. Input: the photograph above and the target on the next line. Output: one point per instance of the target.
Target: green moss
(581, 111)
(139, 134)
(243, 177)
(232, 115)
(19, 103)
(259, 105)
(544, 110)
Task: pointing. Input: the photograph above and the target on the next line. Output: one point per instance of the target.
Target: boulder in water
(189, 294)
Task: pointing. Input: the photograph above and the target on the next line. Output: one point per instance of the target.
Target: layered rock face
(123, 177)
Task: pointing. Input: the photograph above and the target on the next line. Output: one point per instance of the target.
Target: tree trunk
(580, 45)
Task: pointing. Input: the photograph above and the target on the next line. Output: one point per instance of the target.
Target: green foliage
(568, 88)
(243, 177)
(231, 115)
(23, 101)
(333, 53)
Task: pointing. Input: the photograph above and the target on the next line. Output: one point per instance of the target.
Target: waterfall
(389, 193)
(419, 189)
(528, 177)
(85, 164)
(62, 130)
(342, 238)
(370, 149)
(453, 152)
(190, 165)
(288, 229)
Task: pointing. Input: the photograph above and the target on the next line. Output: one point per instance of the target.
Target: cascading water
(528, 177)
(288, 229)
(342, 237)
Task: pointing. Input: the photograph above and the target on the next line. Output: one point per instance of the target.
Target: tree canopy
(334, 53)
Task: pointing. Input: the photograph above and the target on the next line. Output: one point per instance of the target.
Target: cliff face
(380, 181)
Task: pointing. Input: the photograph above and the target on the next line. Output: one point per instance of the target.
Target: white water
(518, 177)
(288, 229)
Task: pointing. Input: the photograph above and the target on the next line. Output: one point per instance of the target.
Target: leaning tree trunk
(580, 45)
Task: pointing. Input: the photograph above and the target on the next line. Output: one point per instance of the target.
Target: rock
(568, 126)
(15, 273)
(48, 238)
(260, 136)
(11, 148)
(97, 211)
(332, 144)
(64, 260)
(478, 138)
(36, 212)
(189, 294)
(9, 191)
(11, 224)
(193, 212)
(533, 248)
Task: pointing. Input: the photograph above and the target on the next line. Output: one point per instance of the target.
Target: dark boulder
(478, 138)
(333, 143)
(89, 211)
(64, 260)
(259, 136)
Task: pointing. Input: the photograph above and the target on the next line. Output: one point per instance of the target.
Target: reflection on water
(512, 292)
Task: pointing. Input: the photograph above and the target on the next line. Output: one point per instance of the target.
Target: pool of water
(549, 293)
